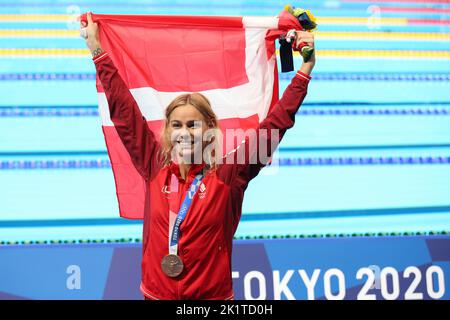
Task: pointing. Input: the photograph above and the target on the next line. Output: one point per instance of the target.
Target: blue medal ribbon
(173, 247)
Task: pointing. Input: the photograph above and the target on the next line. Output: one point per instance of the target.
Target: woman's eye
(195, 125)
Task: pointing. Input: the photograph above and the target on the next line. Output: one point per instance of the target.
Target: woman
(192, 208)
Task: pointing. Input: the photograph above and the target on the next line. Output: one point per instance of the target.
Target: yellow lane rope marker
(361, 21)
(42, 33)
(381, 36)
(324, 35)
(384, 54)
(40, 52)
(381, 54)
(36, 17)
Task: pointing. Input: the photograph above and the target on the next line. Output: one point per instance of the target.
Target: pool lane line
(435, 108)
(86, 164)
(323, 76)
(132, 4)
(325, 35)
(244, 217)
(58, 18)
(304, 111)
(379, 54)
(415, 10)
(399, 1)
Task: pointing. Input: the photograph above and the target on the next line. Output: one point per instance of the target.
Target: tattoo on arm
(96, 52)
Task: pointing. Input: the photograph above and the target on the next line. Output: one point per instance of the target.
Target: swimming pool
(369, 154)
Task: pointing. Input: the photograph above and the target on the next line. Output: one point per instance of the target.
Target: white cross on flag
(231, 60)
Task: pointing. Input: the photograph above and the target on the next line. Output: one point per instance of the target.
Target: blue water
(80, 203)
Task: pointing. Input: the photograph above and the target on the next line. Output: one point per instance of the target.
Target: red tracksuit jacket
(206, 235)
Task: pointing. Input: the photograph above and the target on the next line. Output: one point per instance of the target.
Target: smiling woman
(190, 126)
(189, 234)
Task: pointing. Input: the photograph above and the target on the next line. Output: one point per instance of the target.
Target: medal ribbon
(175, 220)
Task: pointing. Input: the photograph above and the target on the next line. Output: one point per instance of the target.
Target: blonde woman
(192, 208)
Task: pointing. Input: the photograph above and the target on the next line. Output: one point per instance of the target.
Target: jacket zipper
(184, 186)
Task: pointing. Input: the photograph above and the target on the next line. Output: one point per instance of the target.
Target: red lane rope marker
(414, 9)
(428, 21)
(403, 1)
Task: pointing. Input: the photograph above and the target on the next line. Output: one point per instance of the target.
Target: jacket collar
(193, 170)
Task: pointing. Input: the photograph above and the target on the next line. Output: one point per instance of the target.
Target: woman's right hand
(91, 35)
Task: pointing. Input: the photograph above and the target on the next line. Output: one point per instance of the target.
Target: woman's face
(185, 129)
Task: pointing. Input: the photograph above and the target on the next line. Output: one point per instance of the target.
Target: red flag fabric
(231, 60)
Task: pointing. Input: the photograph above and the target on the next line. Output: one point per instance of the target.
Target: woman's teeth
(186, 144)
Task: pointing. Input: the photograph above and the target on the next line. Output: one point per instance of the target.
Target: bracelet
(96, 52)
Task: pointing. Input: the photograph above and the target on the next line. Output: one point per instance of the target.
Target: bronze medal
(172, 265)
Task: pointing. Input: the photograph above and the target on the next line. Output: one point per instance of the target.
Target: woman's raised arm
(131, 126)
(249, 158)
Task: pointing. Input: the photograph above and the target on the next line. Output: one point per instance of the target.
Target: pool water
(369, 154)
